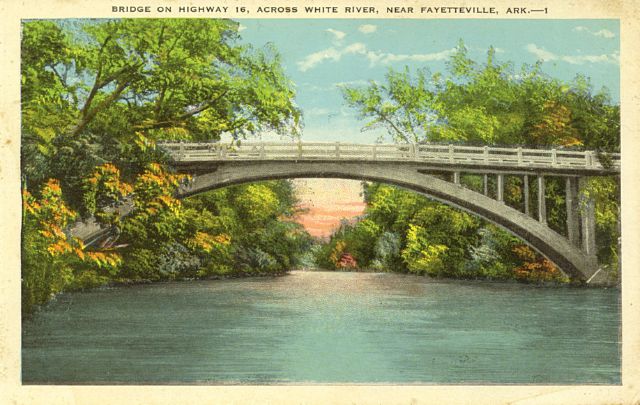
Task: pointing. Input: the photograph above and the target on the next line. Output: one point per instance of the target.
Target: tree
(112, 83)
(488, 103)
(96, 97)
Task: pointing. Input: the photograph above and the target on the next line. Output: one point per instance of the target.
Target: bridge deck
(449, 157)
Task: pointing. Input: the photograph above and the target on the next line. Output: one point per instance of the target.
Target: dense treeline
(490, 104)
(96, 96)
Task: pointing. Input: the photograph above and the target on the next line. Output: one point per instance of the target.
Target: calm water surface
(322, 327)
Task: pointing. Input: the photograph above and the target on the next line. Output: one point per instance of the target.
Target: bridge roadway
(451, 158)
(432, 170)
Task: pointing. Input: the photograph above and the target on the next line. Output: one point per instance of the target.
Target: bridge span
(430, 169)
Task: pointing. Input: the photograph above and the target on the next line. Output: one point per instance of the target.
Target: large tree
(94, 91)
(96, 96)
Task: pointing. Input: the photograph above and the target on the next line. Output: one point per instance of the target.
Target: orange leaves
(108, 176)
(222, 239)
(555, 126)
(154, 190)
(59, 247)
(104, 188)
(534, 268)
(102, 259)
(525, 253)
(46, 219)
(51, 213)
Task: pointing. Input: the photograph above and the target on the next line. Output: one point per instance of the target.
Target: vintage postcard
(294, 202)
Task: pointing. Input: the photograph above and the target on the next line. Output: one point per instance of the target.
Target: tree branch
(170, 123)
(96, 83)
(89, 115)
(388, 121)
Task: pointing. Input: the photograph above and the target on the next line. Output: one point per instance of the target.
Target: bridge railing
(436, 153)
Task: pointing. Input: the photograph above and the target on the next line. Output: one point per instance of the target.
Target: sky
(322, 55)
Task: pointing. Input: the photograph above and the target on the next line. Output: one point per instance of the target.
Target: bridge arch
(568, 257)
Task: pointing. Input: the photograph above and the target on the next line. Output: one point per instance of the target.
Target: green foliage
(488, 103)
(52, 261)
(605, 192)
(96, 96)
(421, 255)
(257, 219)
(92, 91)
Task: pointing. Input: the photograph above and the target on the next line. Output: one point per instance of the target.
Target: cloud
(360, 82)
(333, 54)
(316, 112)
(374, 57)
(338, 35)
(541, 53)
(377, 57)
(604, 33)
(241, 28)
(544, 55)
(367, 28)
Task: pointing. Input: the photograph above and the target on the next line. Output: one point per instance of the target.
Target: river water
(324, 327)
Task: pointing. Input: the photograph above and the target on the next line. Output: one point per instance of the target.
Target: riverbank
(110, 284)
(604, 279)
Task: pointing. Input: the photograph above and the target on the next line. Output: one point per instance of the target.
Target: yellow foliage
(208, 243)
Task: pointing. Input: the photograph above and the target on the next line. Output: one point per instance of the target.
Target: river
(325, 327)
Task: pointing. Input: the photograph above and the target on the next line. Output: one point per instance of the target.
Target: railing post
(299, 149)
(486, 155)
(554, 157)
(500, 191)
(262, 152)
(572, 206)
(456, 178)
(542, 204)
(374, 152)
(451, 153)
(587, 159)
(526, 194)
(338, 150)
(415, 151)
(520, 162)
(182, 154)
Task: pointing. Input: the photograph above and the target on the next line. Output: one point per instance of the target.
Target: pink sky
(327, 202)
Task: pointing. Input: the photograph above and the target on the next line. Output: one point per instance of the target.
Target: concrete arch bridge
(435, 171)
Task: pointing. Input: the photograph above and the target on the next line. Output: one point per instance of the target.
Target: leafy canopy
(488, 103)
